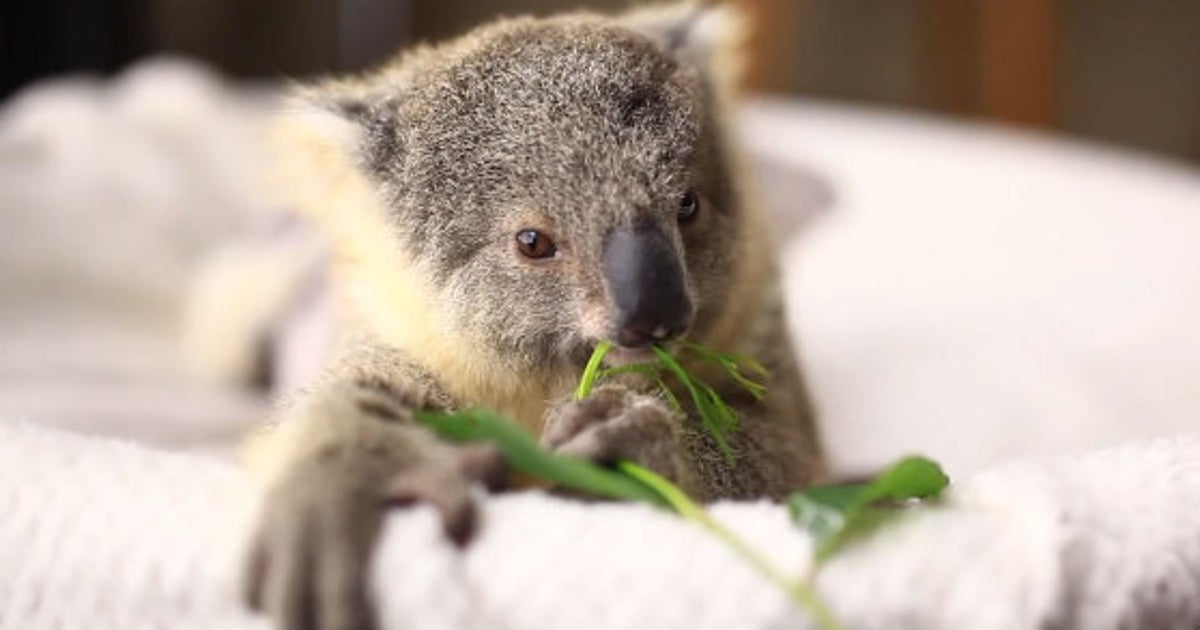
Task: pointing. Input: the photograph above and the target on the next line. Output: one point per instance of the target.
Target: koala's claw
(486, 464)
(614, 424)
(444, 492)
(308, 563)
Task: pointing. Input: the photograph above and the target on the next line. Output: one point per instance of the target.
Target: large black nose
(646, 282)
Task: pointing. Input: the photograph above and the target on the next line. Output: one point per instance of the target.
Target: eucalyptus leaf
(838, 515)
(632, 482)
(913, 477)
(714, 414)
(717, 417)
(819, 519)
(591, 372)
(839, 498)
(733, 364)
(857, 526)
(523, 453)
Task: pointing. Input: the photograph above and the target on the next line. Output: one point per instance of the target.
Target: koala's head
(557, 181)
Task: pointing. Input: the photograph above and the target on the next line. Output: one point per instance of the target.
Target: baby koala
(497, 206)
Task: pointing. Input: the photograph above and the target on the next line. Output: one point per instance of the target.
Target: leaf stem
(592, 371)
(715, 415)
(800, 591)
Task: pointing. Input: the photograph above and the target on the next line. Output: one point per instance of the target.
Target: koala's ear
(698, 32)
(362, 122)
(327, 142)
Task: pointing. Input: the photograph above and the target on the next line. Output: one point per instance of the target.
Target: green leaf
(592, 371)
(819, 519)
(839, 515)
(716, 416)
(910, 478)
(524, 453)
(647, 369)
(839, 497)
(801, 592)
(733, 363)
(630, 481)
(728, 357)
(857, 526)
(652, 371)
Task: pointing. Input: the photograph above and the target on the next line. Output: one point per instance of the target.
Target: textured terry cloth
(102, 534)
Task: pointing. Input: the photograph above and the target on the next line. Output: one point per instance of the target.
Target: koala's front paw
(615, 423)
(308, 561)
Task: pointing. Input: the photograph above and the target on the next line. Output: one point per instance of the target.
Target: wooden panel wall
(996, 58)
(1019, 49)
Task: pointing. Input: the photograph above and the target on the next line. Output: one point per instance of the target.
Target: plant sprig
(592, 371)
(834, 515)
(717, 417)
(523, 453)
(733, 364)
(800, 591)
(838, 515)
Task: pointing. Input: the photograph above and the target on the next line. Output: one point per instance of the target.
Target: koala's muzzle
(646, 282)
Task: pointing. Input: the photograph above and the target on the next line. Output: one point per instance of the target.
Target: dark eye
(536, 245)
(689, 207)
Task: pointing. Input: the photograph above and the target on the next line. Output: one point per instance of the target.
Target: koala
(496, 206)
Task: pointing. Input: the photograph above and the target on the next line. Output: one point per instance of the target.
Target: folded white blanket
(100, 534)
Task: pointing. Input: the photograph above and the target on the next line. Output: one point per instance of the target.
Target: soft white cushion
(975, 293)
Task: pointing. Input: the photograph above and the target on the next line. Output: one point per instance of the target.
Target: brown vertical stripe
(1018, 59)
(948, 56)
(771, 50)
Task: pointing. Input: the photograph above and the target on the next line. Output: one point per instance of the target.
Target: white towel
(100, 534)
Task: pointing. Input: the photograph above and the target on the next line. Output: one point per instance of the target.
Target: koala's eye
(536, 245)
(689, 207)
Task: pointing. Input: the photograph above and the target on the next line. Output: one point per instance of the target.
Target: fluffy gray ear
(327, 141)
(363, 119)
(697, 32)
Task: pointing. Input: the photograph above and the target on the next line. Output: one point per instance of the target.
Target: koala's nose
(646, 281)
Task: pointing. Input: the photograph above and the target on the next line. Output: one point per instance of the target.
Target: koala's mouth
(622, 355)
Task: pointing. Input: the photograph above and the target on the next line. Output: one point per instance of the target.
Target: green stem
(800, 591)
(715, 415)
(592, 371)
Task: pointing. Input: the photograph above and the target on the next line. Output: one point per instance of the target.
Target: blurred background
(1003, 196)
(1110, 70)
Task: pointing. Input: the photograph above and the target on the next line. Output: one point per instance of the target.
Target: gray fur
(579, 119)
(573, 125)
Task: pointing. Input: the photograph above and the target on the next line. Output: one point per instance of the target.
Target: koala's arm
(339, 458)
